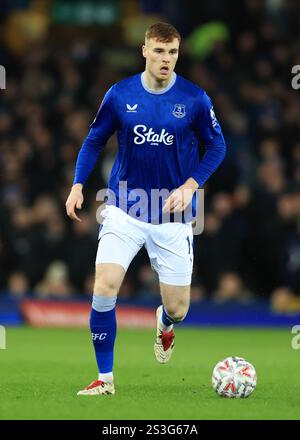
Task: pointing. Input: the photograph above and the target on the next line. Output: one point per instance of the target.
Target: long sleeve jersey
(160, 134)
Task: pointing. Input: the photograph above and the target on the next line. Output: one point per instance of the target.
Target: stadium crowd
(251, 242)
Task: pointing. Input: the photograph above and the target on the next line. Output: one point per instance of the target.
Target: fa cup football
(234, 377)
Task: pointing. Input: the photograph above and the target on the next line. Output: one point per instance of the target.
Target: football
(234, 377)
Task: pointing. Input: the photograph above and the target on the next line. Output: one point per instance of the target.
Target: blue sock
(165, 318)
(103, 326)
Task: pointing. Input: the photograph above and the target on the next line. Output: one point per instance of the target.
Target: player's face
(161, 58)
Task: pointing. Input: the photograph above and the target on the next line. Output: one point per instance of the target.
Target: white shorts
(169, 245)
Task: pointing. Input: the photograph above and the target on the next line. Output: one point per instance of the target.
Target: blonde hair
(163, 32)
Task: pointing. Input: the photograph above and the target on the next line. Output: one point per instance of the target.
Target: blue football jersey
(159, 136)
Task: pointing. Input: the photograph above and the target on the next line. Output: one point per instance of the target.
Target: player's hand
(181, 197)
(74, 201)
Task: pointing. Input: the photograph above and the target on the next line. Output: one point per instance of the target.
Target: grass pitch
(42, 370)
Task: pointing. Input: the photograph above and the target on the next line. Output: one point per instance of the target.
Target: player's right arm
(103, 126)
(74, 201)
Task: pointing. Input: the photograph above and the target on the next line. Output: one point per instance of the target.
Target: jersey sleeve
(210, 135)
(101, 129)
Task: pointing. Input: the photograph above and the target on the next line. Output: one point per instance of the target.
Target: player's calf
(174, 315)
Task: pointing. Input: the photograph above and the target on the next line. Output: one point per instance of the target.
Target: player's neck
(155, 84)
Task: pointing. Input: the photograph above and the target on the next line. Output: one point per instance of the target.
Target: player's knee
(105, 286)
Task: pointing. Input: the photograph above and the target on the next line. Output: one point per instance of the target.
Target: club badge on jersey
(179, 111)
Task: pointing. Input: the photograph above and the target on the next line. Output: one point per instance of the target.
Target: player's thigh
(119, 242)
(170, 249)
(108, 279)
(114, 255)
(176, 300)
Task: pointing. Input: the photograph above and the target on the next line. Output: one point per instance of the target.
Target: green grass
(42, 369)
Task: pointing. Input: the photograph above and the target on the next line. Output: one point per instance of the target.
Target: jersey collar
(158, 92)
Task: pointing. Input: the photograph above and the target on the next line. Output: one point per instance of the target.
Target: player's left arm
(209, 131)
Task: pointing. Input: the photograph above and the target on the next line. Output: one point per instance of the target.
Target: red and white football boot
(96, 388)
(164, 343)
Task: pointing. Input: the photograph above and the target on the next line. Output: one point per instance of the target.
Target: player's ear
(144, 51)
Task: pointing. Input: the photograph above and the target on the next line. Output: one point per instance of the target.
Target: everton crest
(179, 111)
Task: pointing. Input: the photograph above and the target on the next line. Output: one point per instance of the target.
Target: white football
(234, 377)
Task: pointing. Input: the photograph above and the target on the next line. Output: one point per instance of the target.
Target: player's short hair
(163, 32)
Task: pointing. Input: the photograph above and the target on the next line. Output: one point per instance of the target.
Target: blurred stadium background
(60, 57)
